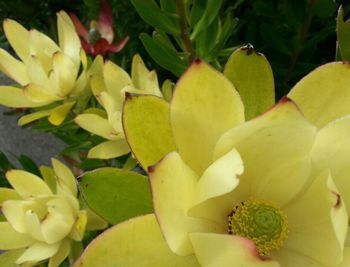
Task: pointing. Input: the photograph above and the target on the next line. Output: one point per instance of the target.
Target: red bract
(98, 40)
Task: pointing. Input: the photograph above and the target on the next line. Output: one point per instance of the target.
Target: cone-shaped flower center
(261, 222)
(94, 35)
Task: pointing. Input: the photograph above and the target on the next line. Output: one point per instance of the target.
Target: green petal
(109, 149)
(316, 216)
(14, 97)
(171, 205)
(137, 242)
(27, 184)
(147, 128)
(11, 239)
(205, 105)
(251, 74)
(324, 94)
(275, 149)
(213, 250)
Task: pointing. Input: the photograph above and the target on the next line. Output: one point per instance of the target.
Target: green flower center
(261, 222)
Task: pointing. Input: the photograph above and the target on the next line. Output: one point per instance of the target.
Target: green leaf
(8, 259)
(150, 12)
(252, 76)
(5, 164)
(136, 242)
(207, 39)
(343, 35)
(168, 6)
(147, 128)
(163, 55)
(197, 10)
(29, 165)
(211, 11)
(116, 195)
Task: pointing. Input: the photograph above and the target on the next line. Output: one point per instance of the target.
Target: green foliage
(116, 195)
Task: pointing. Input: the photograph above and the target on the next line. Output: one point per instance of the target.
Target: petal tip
(249, 48)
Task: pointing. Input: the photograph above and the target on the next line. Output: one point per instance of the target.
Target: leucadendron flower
(46, 72)
(43, 216)
(235, 193)
(109, 89)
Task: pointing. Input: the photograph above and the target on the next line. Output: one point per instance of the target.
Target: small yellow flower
(44, 217)
(109, 89)
(46, 72)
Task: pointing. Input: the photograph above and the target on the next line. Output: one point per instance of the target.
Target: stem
(302, 36)
(184, 32)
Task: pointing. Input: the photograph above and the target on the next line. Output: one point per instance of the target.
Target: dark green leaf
(207, 39)
(28, 164)
(343, 35)
(116, 195)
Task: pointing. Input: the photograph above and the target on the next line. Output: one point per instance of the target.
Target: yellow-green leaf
(251, 74)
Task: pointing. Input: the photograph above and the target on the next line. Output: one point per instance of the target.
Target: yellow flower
(272, 191)
(44, 217)
(109, 89)
(45, 72)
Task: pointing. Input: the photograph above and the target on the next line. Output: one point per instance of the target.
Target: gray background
(15, 140)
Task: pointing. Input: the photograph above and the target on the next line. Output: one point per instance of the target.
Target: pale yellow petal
(17, 36)
(331, 150)
(27, 184)
(290, 258)
(39, 94)
(173, 186)
(65, 72)
(109, 149)
(13, 68)
(64, 177)
(214, 250)
(33, 226)
(38, 252)
(79, 226)
(275, 149)
(33, 117)
(61, 254)
(11, 239)
(15, 98)
(7, 194)
(14, 212)
(318, 222)
(324, 94)
(205, 105)
(220, 178)
(346, 259)
(95, 124)
(59, 114)
(37, 73)
(68, 38)
(136, 242)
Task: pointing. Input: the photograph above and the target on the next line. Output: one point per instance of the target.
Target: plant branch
(184, 31)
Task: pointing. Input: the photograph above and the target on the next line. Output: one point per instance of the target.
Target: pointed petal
(205, 105)
(39, 94)
(323, 94)
(331, 150)
(13, 68)
(136, 242)
(95, 124)
(105, 22)
(38, 252)
(59, 114)
(220, 178)
(27, 184)
(68, 38)
(79, 226)
(275, 148)
(8, 193)
(18, 37)
(33, 226)
(118, 46)
(214, 250)
(61, 254)
(319, 210)
(65, 177)
(11, 239)
(37, 73)
(65, 72)
(171, 205)
(81, 30)
(33, 117)
(109, 149)
(15, 98)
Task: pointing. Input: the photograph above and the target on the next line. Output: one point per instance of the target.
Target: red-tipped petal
(118, 46)
(105, 22)
(86, 46)
(81, 30)
(101, 47)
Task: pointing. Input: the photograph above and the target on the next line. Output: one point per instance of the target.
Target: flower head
(109, 89)
(43, 216)
(46, 72)
(98, 40)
